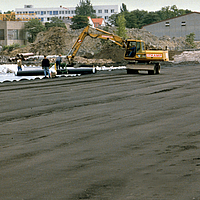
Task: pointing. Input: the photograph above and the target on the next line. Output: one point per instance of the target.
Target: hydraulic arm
(102, 35)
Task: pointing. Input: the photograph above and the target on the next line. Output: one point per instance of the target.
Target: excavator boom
(102, 35)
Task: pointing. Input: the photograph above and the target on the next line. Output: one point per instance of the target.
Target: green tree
(85, 8)
(138, 18)
(55, 22)
(11, 47)
(79, 21)
(33, 27)
(170, 12)
(123, 8)
(150, 17)
(121, 26)
(190, 40)
(8, 12)
(112, 19)
(131, 20)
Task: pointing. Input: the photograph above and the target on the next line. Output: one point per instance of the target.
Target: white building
(45, 14)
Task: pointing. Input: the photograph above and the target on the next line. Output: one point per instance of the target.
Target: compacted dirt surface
(106, 136)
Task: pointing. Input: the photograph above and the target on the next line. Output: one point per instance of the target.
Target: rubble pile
(154, 42)
(188, 56)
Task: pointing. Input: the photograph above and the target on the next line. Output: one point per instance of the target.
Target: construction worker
(45, 66)
(19, 64)
(58, 61)
(133, 51)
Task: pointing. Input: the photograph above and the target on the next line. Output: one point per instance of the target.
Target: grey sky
(149, 5)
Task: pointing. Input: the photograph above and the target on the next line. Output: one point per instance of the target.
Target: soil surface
(107, 136)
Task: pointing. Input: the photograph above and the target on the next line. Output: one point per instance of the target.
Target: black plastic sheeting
(30, 73)
(59, 72)
(77, 71)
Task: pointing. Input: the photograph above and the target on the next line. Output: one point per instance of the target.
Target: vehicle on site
(138, 57)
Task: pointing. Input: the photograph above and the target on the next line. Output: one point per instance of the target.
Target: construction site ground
(103, 136)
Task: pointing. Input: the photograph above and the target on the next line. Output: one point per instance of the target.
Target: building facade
(177, 27)
(45, 14)
(12, 32)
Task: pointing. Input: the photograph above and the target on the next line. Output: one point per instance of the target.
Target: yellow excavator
(138, 57)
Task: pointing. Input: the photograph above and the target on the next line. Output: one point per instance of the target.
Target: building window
(99, 11)
(105, 11)
(112, 10)
(50, 12)
(69, 12)
(72, 12)
(65, 12)
(55, 12)
(12, 34)
(183, 23)
(106, 17)
(1, 34)
(45, 12)
(48, 19)
(167, 24)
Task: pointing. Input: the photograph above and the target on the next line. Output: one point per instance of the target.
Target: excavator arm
(102, 35)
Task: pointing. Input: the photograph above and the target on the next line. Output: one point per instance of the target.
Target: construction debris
(188, 56)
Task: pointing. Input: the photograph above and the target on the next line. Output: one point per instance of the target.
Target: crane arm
(103, 35)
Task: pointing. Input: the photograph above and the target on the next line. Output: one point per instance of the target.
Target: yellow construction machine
(138, 57)
(18, 17)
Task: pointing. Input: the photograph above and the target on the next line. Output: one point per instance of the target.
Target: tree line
(139, 18)
(134, 19)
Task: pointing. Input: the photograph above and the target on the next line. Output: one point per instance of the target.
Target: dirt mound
(50, 42)
(116, 54)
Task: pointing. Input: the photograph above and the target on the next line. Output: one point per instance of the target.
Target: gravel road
(106, 136)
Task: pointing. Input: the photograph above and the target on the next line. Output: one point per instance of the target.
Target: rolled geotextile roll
(72, 70)
(30, 73)
(59, 71)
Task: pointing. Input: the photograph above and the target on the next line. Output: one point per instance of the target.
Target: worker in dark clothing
(58, 61)
(133, 51)
(45, 66)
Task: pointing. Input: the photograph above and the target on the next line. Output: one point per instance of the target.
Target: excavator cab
(135, 50)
